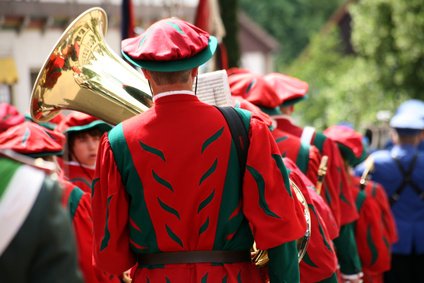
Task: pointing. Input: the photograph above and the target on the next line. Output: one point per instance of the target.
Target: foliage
(292, 23)
(389, 34)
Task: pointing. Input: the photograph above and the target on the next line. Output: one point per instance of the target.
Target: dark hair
(73, 135)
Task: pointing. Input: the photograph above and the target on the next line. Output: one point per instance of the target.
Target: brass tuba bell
(82, 73)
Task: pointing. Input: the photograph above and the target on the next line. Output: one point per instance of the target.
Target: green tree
(389, 34)
(292, 23)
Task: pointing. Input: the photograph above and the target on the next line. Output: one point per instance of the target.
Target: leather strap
(194, 257)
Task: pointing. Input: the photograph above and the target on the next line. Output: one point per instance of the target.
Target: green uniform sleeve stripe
(211, 139)
(106, 236)
(204, 203)
(204, 226)
(302, 159)
(281, 139)
(82, 180)
(152, 150)
(373, 248)
(205, 278)
(168, 208)
(162, 181)
(261, 189)
(319, 141)
(307, 259)
(280, 164)
(74, 200)
(360, 198)
(209, 172)
(174, 236)
(347, 251)
(321, 231)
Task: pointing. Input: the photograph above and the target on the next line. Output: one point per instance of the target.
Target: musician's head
(169, 52)
(407, 128)
(83, 134)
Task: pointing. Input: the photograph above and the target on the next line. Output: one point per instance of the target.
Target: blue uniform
(408, 210)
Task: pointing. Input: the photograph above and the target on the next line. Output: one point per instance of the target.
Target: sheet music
(213, 88)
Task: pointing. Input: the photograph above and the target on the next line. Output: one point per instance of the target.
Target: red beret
(349, 142)
(32, 139)
(9, 116)
(169, 45)
(289, 89)
(244, 104)
(253, 88)
(78, 121)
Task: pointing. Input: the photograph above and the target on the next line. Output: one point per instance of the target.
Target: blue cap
(407, 123)
(414, 106)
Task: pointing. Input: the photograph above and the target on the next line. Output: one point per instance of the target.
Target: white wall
(254, 61)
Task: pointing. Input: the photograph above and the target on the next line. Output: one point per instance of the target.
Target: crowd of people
(183, 191)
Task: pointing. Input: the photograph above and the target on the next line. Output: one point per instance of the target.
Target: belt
(194, 257)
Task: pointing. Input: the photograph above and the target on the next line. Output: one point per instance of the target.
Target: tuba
(82, 73)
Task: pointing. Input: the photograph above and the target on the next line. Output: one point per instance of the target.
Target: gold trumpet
(82, 73)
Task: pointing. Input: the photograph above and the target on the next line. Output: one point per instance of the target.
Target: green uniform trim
(331, 279)
(307, 259)
(360, 198)
(302, 159)
(347, 251)
(162, 181)
(373, 248)
(106, 236)
(209, 171)
(280, 164)
(174, 236)
(231, 220)
(152, 150)
(213, 138)
(74, 199)
(319, 141)
(134, 187)
(204, 226)
(7, 171)
(283, 265)
(169, 209)
(205, 202)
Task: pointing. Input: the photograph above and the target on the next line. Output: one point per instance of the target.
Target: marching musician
(371, 229)
(83, 134)
(167, 192)
(399, 170)
(36, 238)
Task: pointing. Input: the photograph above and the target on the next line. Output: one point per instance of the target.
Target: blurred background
(360, 58)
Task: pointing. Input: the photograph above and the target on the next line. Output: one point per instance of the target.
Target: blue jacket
(408, 210)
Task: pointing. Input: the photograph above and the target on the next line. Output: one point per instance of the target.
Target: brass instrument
(369, 166)
(82, 73)
(322, 171)
(260, 257)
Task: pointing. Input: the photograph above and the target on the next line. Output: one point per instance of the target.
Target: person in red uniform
(9, 116)
(167, 192)
(335, 189)
(33, 140)
(320, 262)
(370, 231)
(82, 133)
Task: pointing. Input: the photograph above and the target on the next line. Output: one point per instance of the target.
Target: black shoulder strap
(238, 133)
(407, 180)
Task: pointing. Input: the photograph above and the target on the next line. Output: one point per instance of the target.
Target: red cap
(170, 45)
(253, 88)
(289, 89)
(349, 142)
(32, 139)
(244, 104)
(9, 116)
(78, 121)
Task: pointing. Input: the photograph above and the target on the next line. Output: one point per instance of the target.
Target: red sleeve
(268, 202)
(313, 165)
(110, 215)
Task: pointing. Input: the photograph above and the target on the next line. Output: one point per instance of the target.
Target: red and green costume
(81, 176)
(79, 205)
(168, 180)
(370, 235)
(320, 261)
